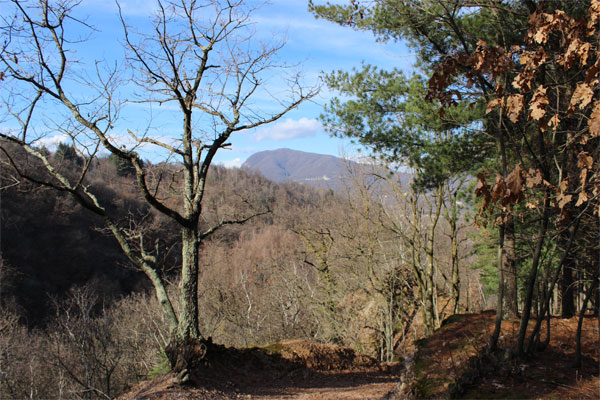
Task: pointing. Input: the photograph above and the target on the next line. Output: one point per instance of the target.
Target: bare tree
(200, 57)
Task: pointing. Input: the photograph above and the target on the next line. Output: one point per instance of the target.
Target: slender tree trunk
(454, 260)
(532, 279)
(509, 266)
(552, 289)
(566, 289)
(499, 309)
(588, 295)
(431, 290)
(428, 314)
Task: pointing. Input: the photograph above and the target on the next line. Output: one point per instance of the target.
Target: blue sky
(319, 46)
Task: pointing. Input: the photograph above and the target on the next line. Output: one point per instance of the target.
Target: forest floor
(448, 364)
(453, 363)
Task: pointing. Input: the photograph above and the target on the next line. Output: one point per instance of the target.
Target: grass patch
(162, 366)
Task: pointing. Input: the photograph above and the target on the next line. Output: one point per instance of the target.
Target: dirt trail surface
(290, 370)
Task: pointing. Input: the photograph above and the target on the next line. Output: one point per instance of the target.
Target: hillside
(51, 244)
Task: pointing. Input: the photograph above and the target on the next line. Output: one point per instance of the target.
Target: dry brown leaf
(494, 104)
(562, 186)
(594, 121)
(499, 189)
(592, 72)
(583, 178)
(554, 121)
(534, 178)
(594, 16)
(514, 105)
(582, 96)
(583, 197)
(585, 160)
(576, 49)
(583, 53)
(514, 180)
(541, 35)
(563, 200)
(538, 103)
(531, 205)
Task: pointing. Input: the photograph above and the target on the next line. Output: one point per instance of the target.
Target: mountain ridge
(285, 164)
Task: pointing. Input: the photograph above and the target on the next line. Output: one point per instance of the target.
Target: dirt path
(328, 386)
(350, 386)
(290, 370)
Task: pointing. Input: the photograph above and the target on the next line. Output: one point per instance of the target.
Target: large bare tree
(199, 57)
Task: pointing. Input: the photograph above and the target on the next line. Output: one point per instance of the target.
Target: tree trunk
(188, 316)
(431, 301)
(428, 314)
(588, 295)
(552, 289)
(566, 283)
(511, 305)
(455, 270)
(499, 306)
(532, 278)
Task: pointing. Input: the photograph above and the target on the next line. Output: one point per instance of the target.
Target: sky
(315, 46)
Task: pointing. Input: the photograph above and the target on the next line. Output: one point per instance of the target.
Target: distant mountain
(292, 165)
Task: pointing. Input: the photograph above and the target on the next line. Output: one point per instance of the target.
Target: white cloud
(235, 163)
(53, 141)
(289, 129)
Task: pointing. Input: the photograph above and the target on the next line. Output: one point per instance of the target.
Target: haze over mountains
(313, 169)
(283, 165)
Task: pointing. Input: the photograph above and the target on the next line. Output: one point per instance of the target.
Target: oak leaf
(494, 104)
(594, 17)
(562, 186)
(499, 189)
(585, 160)
(583, 53)
(563, 199)
(514, 180)
(531, 205)
(592, 72)
(582, 96)
(554, 121)
(583, 197)
(594, 121)
(534, 178)
(583, 178)
(538, 103)
(514, 105)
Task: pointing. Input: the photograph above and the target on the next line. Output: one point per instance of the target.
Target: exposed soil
(448, 364)
(290, 370)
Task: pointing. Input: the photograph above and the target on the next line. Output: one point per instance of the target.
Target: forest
(118, 269)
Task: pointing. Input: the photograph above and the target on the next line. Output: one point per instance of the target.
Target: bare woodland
(156, 258)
